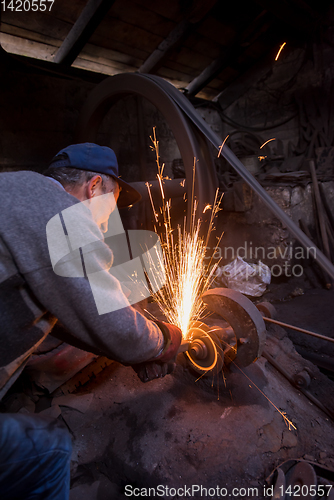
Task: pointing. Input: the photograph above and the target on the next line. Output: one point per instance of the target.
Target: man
(35, 293)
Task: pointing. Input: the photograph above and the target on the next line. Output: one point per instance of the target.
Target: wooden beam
(208, 74)
(171, 41)
(191, 21)
(89, 19)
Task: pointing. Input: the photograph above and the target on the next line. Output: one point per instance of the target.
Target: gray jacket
(33, 297)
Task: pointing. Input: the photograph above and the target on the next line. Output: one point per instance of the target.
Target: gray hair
(69, 176)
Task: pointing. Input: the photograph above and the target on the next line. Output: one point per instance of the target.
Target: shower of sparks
(280, 50)
(184, 254)
(221, 147)
(269, 140)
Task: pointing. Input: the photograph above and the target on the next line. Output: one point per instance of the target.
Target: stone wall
(254, 233)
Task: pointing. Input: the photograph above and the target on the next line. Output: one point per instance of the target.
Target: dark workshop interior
(242, 94)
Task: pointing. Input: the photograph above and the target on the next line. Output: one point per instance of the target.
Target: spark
(262, 158)
(150, 195)
(184, 252)
(207, 208)
(280, 50)
(221, 147)
(267, 142)
(282, 413)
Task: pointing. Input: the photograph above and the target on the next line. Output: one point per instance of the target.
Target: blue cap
(99, 159)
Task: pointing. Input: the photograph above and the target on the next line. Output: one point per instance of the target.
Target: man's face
(101, 211)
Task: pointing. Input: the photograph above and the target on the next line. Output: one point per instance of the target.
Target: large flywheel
(191, 142)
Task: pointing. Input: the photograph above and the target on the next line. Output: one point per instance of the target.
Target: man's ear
(93, 185)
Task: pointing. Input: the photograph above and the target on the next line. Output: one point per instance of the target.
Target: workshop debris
(83, 376)
(301, 477)
(250, 279)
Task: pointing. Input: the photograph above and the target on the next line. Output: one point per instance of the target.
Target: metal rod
(280, 323)
(320, 209)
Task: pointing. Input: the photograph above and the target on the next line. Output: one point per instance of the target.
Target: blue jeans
(35, 456)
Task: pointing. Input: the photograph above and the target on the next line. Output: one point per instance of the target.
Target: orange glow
(273, 139)
(280, 50)
(221, 147)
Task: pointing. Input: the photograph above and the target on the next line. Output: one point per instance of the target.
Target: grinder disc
(205, 353)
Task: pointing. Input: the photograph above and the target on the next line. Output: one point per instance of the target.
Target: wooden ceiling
(201, 46)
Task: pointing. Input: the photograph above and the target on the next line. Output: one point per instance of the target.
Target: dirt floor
(212, 437)
(181, 432)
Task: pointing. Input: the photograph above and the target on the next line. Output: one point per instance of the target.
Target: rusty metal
(244, 318)
(297, 329)
(325, 474)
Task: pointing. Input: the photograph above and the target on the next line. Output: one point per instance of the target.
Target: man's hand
(164, 363)
(150, 370)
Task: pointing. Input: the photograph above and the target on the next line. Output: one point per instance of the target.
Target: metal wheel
(244, 318)
(191, 142)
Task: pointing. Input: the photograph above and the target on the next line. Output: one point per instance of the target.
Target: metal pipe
(285, 325)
